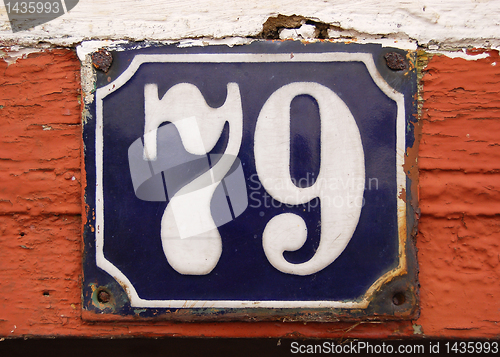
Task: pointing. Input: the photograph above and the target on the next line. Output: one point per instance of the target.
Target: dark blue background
(132, 226)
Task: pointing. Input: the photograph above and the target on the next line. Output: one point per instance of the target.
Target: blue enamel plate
(263, 181)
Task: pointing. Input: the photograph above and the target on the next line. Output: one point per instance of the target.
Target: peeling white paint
(304, 32)
(447, 23)
(462, 54)
(231, 41)
(385, 42)
(87, 71)
(404, 44)
(12, 54)
(87, 47)
(88, 76)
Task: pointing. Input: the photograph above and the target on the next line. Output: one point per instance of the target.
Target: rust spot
(402, 195)
(102, 59)
(395, 61)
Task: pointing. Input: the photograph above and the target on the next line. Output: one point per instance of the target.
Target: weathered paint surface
(427, 22)
(40, 209)
(458, 238)
(40, 149)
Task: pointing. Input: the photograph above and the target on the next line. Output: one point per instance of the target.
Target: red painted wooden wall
(41, 183)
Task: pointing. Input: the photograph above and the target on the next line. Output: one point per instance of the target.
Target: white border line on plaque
(138, 60)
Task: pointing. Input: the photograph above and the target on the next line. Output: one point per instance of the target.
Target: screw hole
(103, 296)
(398, 299)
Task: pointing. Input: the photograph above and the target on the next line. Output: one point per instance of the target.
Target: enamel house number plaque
(256, 182)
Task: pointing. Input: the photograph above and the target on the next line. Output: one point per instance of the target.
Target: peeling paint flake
(461, 54)
(448, 23)
(12, 54)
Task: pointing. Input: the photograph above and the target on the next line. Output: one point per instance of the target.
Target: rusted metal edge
(401, 280)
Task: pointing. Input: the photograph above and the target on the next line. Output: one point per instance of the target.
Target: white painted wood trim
(450, 23)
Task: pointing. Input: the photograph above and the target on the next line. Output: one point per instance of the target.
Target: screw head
(102, 59)
(395, 61)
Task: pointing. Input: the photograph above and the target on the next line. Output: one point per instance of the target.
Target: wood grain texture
(458, 235)
(449, 22)
(40, 210)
